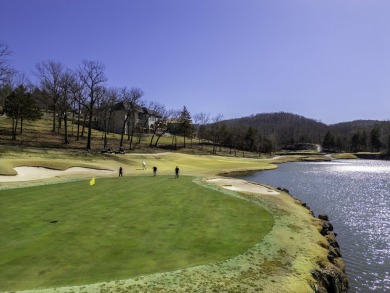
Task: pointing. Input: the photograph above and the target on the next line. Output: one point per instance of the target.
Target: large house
(143, 119)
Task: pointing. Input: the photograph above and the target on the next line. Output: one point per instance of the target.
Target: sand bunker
(36, 173)
(242, 185)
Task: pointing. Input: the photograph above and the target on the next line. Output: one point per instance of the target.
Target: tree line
(359, 136)
(290, 131)
(82, 97)
(84, 94)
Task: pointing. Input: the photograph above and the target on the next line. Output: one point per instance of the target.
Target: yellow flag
(92, 182)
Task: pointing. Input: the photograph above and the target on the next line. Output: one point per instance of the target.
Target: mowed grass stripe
(74, 233)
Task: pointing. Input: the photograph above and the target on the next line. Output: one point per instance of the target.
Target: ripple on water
(356, 196)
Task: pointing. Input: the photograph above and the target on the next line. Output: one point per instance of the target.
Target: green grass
(74, 233)
(344, 156)
(38, 134)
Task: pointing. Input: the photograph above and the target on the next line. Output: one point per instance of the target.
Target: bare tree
(67, 81)
(77, 101)
(126, 102)
(19, 78)
(5, 69)
(136, 102)
(110, 98)
(215, 131)
(200, 120)
(49, 74)
(160, 125)
(174, 126)
(148, 112)
(136, 123)
(131, 101)
(92, 77)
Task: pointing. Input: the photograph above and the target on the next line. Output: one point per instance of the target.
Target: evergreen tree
(329, 141)
(185, 124)
(250, 139)
(355, 142)
(20, 106)
(375, 138)
(363, 141)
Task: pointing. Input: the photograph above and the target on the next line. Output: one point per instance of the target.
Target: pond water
(355, 194)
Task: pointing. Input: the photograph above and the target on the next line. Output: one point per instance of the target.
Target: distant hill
(353, 126)
(283, 128)
(356, 123)
(287, 128)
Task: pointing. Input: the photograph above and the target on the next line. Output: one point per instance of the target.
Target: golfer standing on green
(177, 172)
(154, 171)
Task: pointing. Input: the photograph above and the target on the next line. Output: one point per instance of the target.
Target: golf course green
(75, 233)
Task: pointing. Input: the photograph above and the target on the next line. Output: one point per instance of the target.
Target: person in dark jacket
(177, 172)
(154, 171)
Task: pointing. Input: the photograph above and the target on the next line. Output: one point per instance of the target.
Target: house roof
(120, 106)
(150, 112)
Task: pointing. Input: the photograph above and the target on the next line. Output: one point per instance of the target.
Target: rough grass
(74, 233)
(196, 165)
(344, 156)
(39, 134)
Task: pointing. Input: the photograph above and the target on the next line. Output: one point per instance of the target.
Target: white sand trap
(36, 173)
(242, 185)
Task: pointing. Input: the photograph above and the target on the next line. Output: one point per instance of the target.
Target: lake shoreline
(331, 276)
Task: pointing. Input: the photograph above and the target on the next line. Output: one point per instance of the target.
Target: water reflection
(356, 196)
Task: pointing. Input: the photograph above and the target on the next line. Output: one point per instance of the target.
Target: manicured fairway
(74, 233)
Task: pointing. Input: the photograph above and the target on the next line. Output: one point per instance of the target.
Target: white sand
(36, 173)
(242, 185)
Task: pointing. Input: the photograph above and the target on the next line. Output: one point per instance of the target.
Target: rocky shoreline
(331, 276)
(372, 156)
(328, 274)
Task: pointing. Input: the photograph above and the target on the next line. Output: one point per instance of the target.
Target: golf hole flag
(92, 182)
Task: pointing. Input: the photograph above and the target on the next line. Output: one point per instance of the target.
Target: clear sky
(324, 59)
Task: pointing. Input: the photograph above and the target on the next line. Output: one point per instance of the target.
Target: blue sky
(326, 60)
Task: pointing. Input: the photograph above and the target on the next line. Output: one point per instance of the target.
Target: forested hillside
(276, 131)
(361, 135)
(283, 128)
